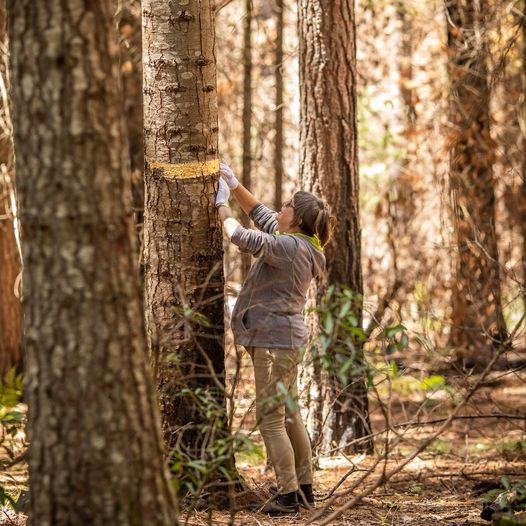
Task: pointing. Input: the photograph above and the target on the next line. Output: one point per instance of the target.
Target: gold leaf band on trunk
(187, 170)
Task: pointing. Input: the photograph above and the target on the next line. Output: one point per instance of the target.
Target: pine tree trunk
(95, 453)
(10, 307)
(477, 319)
(246, 178)
(278, 148)
(129, 24)
(403, 208)
(405, 203)
(522, 121)
(10, 265)
(182, 234)
(329, 166)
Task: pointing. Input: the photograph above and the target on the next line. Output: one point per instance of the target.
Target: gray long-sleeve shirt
(269, 309)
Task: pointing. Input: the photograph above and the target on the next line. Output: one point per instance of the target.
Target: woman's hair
(313, 216)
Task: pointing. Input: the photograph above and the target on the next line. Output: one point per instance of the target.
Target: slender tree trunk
(278, 148)
(402, 209)
(182, 234)
(477, 319)
(522, 124)
(129, 24)
(246, 179)
(10, 264)
(329, 166)
(405, 192)
(10, 267)
(95, 453)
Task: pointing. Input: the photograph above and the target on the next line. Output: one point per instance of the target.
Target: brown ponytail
(313, 216)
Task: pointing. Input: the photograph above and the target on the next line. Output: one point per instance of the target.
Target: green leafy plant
(396, 337)
(340, 344)
(499, 506)
(211, 470)
(340, 341)
(190, 473)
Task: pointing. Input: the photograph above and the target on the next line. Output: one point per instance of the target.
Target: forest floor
(443, 484)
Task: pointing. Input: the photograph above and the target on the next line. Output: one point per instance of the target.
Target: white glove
(223, 193)
(228, 175)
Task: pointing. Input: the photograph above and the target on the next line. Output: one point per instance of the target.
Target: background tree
(329, 166)
(128, 18)
(95, 452)
(477, 318)
(246, 178)
(278, 147)
(404, 204)
(10, 264)
(182, 236)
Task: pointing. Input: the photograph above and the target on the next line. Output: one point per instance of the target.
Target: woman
(268, 321)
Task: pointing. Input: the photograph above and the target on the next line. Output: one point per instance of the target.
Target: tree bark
(246, 178)
(95, 454)
(182, 234)
(477, 320)
(10, 264)
(405, 202)
(129, 24)
(278, 148)
(522, 125)
(329, 166)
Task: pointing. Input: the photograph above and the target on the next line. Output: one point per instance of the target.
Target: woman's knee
(271, 418)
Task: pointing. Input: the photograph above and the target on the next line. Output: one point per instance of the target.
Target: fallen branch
(458, 417)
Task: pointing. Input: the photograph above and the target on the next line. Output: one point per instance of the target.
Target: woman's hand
(228, 175)
(230, 224)
(243, 197)
(223, 193)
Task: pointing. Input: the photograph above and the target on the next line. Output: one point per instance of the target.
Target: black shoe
(305, 495)
(283, 505)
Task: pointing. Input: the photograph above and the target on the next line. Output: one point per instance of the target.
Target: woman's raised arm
(244, 198)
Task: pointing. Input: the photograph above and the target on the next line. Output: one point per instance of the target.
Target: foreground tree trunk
(95, 453)
(329, 166)
(10, 264)
(522, 121)
(477, 319)
(182, 235)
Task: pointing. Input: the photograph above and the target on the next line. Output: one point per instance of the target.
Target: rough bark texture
(246, 259)
(10, 264)
(278, 147)
(522, 124)
(477, 320)
(329, 166)
(182, 235)
(95, 453)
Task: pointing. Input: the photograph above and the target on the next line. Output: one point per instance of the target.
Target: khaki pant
(278, 415)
